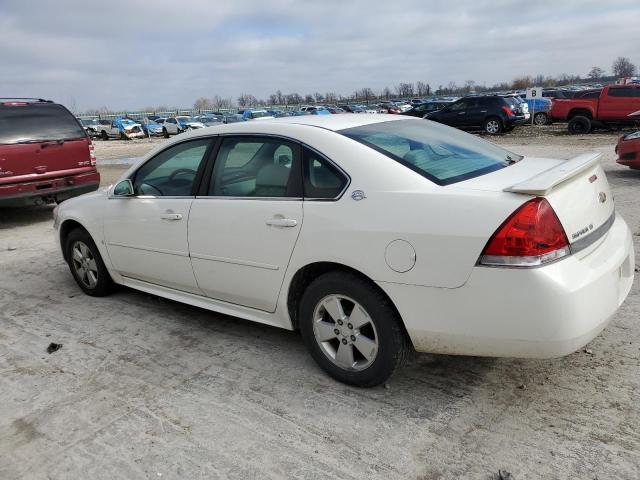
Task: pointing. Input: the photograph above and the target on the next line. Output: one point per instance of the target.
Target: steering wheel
(179, 171)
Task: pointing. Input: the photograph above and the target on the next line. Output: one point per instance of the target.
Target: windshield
(259, 114)
(185, 119)
(38, 122)
(442, 154)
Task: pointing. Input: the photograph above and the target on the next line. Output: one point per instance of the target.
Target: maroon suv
(45, 154)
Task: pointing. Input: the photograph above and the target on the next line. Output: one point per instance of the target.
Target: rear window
(442, 154)
(37, 122)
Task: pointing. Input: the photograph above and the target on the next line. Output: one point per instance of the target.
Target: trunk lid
(577, 189)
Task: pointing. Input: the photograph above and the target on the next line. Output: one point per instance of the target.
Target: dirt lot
(148, 388)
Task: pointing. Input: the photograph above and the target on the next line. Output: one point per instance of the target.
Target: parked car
(91, 126)
(628, 150)
(352, 108)
(255, 114)
(540, 108)
(448, 243)
(171, 126)
(491, 113)
(277, 113)
(610, 106)
(151, 128)
(335, 110)
(189, 123)
(210, 120)
(122, 128)
(519, 107)
(427, 107)
(232, 118)
(45, 154)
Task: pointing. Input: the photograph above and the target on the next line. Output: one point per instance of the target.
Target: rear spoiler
(542, 183)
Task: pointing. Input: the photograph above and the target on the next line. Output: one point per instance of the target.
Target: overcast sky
(135, 53)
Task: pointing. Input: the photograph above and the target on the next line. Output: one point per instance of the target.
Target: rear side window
(624, 92)
(321, 179)
(38, 122)
(442, 154)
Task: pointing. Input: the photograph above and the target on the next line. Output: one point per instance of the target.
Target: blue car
(540, 108)
(151, 128)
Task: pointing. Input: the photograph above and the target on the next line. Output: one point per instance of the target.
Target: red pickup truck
(612, 106)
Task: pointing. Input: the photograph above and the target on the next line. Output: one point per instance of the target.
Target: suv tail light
(508, 111)
(92, 153)
(530, 237)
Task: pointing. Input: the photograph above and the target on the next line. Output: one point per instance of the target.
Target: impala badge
(358, 195)
(602, 197)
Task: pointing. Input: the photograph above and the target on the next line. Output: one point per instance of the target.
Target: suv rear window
(36, 122)
(442, 154)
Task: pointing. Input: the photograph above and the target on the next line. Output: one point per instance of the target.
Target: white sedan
(374, 235)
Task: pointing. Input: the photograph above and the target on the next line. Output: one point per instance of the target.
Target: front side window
(622, 92)
(321, 179)
(172, 172)
(442, 154)
(255, 167)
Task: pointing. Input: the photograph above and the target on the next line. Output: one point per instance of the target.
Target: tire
(369, 322)
(165, 134)
(541, 118)
(579, 125)
(86, 265)
(493, 126)
(104, 135)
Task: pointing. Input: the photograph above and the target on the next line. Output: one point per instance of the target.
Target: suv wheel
(541, 118)
(351, 330)
(579, 125)
(493, 126)
(86, 264)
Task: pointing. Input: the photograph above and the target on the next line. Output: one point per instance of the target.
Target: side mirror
(124, 188)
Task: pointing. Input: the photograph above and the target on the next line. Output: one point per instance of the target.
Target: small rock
(387, 386)
(504, 475)
(522, 386)
(54, 347)
(588, 351)
(11, 248)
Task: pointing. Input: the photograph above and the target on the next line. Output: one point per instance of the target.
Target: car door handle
(483, 111)
(282, 222)
(172, 217)
(462, 113)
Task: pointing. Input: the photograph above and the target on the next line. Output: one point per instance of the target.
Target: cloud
(128, 54)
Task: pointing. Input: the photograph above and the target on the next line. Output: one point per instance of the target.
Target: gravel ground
(148, 388)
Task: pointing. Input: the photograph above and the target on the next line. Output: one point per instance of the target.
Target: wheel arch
(65, 229)
(307, 274)
(583, 112)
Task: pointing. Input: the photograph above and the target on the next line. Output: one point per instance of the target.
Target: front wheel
(493, 126)
(86, 264)
(104, 135)
(541, 118)
(579, 125)
(165, 133)
(351, 330)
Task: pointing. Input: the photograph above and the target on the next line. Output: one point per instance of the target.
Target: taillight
(508, 111)
(92, 154)
(530, 237)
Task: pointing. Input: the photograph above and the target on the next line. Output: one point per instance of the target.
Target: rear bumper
(539, 313)
(57, 189)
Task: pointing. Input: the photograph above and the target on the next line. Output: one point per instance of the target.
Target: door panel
(237, 256)
(146, 242)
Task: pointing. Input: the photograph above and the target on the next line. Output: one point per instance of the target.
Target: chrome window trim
(302, 144)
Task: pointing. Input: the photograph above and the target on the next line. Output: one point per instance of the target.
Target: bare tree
(318, 97)
(595, 73)
(386, 93)
(520, 83)
(404, 89)
(622, 67)
(330, 97)
(308, 98)
(246, 99)
(422, 89)
(202, 103)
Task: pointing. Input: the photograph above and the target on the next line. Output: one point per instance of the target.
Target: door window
(255, 167)
(172, 172)
(622, 92)
(321, 179)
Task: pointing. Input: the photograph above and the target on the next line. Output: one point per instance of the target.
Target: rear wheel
(351, 330)
(579, 125)
(541, 118)
(104, 135)
(86, 264)
(493, 126)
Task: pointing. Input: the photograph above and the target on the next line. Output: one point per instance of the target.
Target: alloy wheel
(84, 264)
(345, 332)
(493, 127)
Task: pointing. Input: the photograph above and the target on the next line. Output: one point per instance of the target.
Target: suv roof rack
(25, 98)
